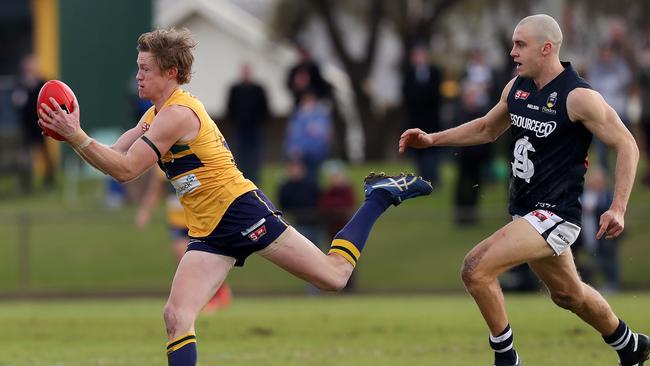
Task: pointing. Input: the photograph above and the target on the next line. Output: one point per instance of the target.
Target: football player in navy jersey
(552, 114)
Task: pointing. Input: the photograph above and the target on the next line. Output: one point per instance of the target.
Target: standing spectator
(25, 98)
(644, 84)
(477, 97)
(298, 198)
(337, 203)
(472, 160)
(305, 77)
(611, 76)
(248, 110)
(596, 199)
(421, 100)
(309, 134)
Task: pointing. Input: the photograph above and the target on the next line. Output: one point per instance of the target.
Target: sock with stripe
(182, 350)
(504, 352)
(349, 242)
(623, 340)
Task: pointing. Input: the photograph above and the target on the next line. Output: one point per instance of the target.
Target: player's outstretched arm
(121, 145)
(478, 131)
(589, 107)
(172, 125)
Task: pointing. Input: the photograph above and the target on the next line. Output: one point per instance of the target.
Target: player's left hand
(56, 119)
(612, 224)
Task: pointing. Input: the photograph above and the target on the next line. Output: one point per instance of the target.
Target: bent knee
(171, 314)
(177, 319)
(469, 273)
(567, 300)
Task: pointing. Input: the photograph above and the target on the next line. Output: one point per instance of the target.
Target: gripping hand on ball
(60, 121)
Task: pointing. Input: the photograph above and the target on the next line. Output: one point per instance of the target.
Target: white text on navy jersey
(541, 129)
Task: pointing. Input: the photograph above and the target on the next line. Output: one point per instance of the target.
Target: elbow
(123, 178)
(492, 137)
(488, 135)
(125, 175)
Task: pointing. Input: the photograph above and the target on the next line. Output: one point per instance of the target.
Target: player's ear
(547, 48)
(172, 72)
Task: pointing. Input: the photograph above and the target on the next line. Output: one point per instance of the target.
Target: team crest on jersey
(520, 94)
(551, 100)
(145, 127)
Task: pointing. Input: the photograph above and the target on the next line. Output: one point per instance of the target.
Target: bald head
(544, 28)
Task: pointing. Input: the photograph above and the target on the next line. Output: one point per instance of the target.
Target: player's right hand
(416, 138)
(612, 224)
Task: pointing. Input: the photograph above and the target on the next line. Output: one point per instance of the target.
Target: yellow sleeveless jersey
(202, 171)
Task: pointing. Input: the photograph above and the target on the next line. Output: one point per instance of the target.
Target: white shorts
(559, 234)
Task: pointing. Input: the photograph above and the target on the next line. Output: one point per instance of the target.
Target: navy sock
(504, 352)
(622, 340)
(349, 242)
(182, 351)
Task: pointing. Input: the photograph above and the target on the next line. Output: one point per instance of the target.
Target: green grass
(79, 246)
(306, 331)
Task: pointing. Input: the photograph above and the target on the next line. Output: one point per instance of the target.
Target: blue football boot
(640, 354)
(401, 187)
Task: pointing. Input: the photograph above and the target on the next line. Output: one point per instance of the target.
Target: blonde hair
(170, 48)
(544, 28)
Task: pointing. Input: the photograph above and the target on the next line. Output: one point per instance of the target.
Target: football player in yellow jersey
(228, 217)
(158, 187)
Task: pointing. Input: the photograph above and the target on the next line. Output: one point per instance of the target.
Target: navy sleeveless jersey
(549, 151)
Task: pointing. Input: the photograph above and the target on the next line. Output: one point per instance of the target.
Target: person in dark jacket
(248, 110)
(421, 100)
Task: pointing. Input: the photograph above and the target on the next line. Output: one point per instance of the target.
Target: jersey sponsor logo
(549, 111)
(255, 231)
(258, 233)
(541, 129)
(186, 184)
(522, 167)
(564, 239)
(539, 215)
(532, 106)
(520, 94)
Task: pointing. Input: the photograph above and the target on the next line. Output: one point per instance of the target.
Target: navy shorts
(250, 224)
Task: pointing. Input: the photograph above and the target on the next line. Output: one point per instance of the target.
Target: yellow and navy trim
(346, 250)
(271, 210)
(180, 342)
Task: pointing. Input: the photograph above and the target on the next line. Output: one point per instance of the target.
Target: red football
(62, 94)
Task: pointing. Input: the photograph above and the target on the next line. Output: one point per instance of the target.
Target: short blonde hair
(170, 48)
(544, 28)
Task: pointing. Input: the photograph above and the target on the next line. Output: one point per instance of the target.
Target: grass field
(51, 245)
(306, 331)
